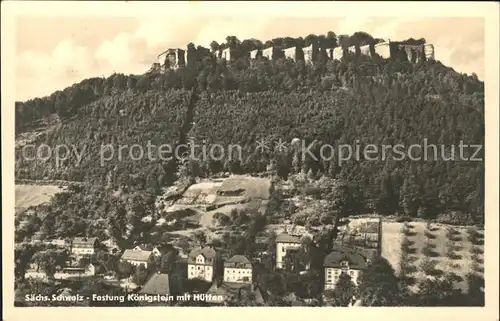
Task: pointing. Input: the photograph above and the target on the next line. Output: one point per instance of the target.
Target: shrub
(455, 218)
(453, 255)
(455, 278)
(408, 232)
(412, 259)
(476, 258)
(476, 238)
(429, 235)
(408, 225)
(434, 228)
(428, 266)
(477, 267)
(407, 242)
(435, 272)
(402, 219)
(429, 250)
(477, 250)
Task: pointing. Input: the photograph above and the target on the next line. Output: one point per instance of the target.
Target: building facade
(238, 269)
(285, 242)
(341, 261)
(172, 59)
(137, 257)
(201, 264)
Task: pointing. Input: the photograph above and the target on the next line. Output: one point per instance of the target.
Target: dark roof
(84, 241)
(133, 255)
(356, 260)
(145, 247)
(238, 261)
(208, 252)
(157, 284)
(369, 227)
(287, 238)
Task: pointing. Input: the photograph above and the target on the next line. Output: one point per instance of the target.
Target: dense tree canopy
(356, 101)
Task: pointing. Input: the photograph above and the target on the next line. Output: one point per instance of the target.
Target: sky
(53, 52)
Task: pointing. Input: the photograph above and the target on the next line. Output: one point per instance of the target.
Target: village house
(341, 261)
(137, 257)
(238, 269)
(84, 246)
(370, 231)
(92, 269)
(285, 242)
(59, 242)
(201, 263)
(153, 249)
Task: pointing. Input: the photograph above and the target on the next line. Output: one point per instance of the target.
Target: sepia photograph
(179, 155)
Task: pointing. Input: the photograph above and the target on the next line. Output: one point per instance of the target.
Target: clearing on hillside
(33, 195)
(221, 195)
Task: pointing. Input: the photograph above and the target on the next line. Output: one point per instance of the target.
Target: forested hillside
(359, 100)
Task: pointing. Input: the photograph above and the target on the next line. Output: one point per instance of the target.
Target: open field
(439, 237)
(32, 195)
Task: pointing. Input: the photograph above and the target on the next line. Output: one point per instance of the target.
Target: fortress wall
(338, 53)
(429, 51)
(383, 50)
